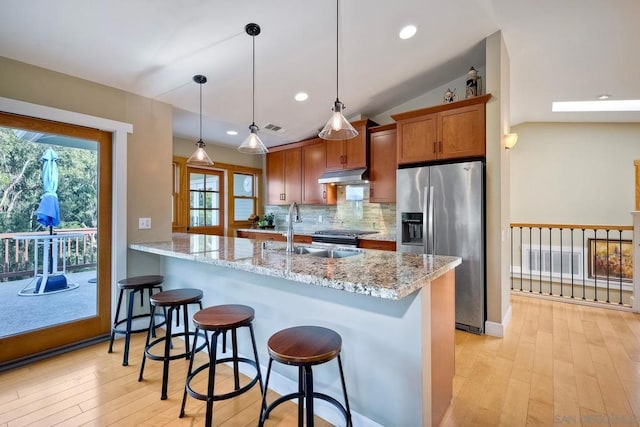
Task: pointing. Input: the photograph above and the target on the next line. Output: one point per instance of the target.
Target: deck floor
(20, 314)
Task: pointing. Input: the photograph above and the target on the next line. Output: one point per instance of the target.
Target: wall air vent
(274, 128)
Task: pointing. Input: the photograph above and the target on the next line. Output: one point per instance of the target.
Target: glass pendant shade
(200, 157)
(252, 144)
(338, 127)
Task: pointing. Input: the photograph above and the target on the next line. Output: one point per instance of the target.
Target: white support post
(635, 298)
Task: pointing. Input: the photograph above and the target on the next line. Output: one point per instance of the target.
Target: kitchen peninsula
(394, 311)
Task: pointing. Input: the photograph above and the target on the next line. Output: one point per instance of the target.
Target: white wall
(433, 97)
(574, 173)
(184, 148)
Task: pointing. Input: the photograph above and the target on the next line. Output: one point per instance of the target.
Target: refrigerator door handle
(427, 221)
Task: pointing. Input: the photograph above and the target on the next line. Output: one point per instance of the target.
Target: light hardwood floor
(91, 387)
(558, 364)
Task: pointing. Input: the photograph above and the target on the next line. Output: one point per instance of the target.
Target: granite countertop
(383, 235)
(381, 274)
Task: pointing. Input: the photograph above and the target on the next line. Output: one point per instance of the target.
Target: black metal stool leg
(144, 352)
(308, 390)
(185, 315)
(255, 355)
(167, 354)
(300, 396)
(212, 378)
(344, 390)
(115, 322)
(236, 370)
(263, 408)
(127, 335)
(189, 372)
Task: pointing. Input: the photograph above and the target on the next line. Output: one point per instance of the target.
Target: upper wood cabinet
(447, 131)
(284, 176)
(351, 153)
(314, 158)
(382, 165)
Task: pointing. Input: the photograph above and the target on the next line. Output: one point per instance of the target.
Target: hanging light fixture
(252, 144)
(338, 127)
(200, 157)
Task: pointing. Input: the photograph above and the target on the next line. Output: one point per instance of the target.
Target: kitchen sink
(327, 252)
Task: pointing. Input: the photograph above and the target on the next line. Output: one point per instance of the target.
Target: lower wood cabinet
(271, 236)
(383, 245)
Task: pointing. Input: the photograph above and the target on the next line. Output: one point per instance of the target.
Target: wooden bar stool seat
(171, 301)
(134, 285)
(215, 321)
(304, 347)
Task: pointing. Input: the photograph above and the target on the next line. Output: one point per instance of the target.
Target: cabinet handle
(435, 147)
(324, 194)
(370, 192)
(441, 146)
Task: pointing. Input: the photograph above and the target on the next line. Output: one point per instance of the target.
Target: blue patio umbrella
(48, 213)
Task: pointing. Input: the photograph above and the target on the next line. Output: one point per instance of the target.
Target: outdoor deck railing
(18, 255)
(579, 262)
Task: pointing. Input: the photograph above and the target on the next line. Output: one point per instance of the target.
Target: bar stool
(134, 285)
(304, 347)
(171, 301)
(219, 320)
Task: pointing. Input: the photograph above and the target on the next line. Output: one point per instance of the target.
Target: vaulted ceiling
(559, 50)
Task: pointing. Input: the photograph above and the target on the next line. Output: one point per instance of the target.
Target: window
(244, 196)
(215, 200)
(205, 195)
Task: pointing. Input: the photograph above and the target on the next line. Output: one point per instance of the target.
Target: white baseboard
(497, 329)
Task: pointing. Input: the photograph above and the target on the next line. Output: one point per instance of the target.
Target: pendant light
(252, 144)
(200, 157)
(338, 127)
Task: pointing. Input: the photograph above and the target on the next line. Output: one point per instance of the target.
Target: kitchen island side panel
(382, 350)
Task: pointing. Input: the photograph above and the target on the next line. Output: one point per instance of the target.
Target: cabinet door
(417, 139)
(275, 178)
(462, 132)
(382, 173)
(292, 175)
(335, 155)
(313, 160)
(356, 150)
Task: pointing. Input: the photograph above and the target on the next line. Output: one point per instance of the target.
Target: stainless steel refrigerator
(440, 210)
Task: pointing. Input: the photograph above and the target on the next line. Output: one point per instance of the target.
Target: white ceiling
(559, 50)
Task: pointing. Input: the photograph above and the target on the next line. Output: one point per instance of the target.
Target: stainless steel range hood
(344, 177)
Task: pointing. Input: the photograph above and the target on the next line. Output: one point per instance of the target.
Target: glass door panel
(55, 235)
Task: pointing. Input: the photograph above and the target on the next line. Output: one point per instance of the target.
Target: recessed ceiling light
(578, 106)
(232, 132)
(301, 96)
(408, 32)
(603, 96)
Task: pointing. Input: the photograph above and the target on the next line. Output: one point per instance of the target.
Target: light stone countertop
(381, 274)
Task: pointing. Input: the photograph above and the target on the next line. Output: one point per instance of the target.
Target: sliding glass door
(55, 235)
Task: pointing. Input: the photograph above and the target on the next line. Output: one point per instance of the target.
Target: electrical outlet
(144, 223)
(319, 218)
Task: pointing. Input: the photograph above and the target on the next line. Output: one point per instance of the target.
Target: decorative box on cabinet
(382, 164)
(284, 176)
(447, 131)
(314, 155)
(350, 153)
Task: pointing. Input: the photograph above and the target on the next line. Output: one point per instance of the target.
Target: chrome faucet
(292, 219)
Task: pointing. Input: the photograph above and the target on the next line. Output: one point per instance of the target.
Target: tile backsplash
(360, 214)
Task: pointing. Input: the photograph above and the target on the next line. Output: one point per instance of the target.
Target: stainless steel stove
(342, 237)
